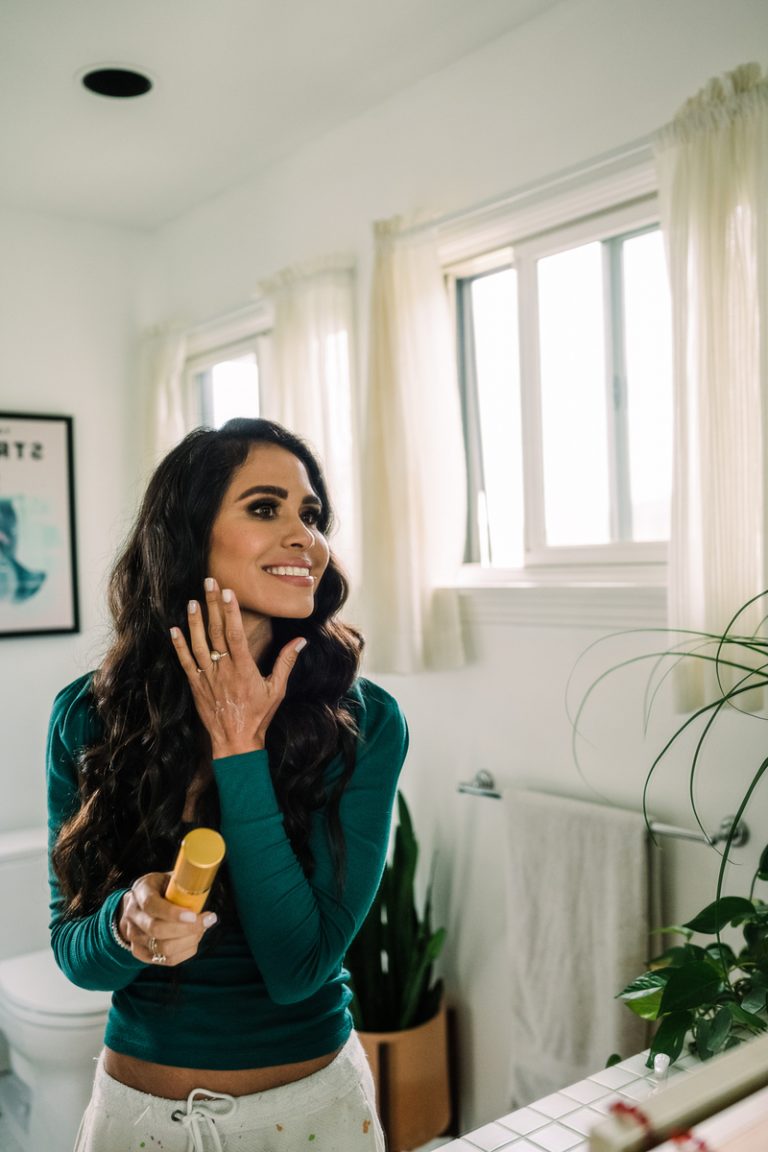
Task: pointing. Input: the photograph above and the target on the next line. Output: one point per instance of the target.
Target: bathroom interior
(274, 136)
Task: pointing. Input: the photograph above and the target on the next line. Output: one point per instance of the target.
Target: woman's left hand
(233, 700)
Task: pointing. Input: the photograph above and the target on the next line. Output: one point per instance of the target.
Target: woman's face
(265, 543)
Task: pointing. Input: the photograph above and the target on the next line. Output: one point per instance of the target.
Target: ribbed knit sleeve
(299, 929)
(85, 949)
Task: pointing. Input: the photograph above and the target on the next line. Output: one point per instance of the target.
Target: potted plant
(397, 1005)
(713, 995)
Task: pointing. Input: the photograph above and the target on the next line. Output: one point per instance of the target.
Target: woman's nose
(299, 534)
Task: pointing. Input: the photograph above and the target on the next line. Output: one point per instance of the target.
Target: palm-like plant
(712, 993)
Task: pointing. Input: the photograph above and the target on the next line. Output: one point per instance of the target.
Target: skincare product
(201, 852)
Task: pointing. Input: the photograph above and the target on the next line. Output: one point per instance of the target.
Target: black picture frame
(38, 554)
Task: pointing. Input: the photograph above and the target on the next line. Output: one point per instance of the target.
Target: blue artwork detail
(17, 583)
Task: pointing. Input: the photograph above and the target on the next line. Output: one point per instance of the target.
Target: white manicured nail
(209, 584)
(187, 917)
(299, 645)
(192, 607)
(209, 919)
(227, 595)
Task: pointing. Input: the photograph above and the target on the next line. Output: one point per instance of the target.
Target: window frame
(610, 198)
(247, 330)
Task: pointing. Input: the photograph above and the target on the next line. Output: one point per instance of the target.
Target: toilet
(50, 1031)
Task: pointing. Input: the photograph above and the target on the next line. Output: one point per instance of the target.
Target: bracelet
(117, 937)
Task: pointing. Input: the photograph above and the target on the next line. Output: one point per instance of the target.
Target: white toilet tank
(23, 891)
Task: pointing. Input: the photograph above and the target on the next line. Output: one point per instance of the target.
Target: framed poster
(38, 566)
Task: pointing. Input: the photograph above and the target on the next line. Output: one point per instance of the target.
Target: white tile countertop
(562, 1122)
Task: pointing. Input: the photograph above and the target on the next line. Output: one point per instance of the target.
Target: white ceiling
(238, 84)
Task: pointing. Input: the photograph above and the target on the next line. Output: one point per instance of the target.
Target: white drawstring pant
(332, 1109)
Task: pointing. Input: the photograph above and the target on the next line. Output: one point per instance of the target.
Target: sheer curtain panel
(712, 162)
(414, 473)
(171, 412)
(306, 382)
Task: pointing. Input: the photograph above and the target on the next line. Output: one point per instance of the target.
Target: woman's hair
(134, 781)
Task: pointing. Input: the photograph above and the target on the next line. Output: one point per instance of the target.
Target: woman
(230, 1025)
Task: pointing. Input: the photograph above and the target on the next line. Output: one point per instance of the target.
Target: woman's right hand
(153, 926)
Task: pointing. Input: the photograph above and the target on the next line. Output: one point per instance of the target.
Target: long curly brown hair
(134, 781)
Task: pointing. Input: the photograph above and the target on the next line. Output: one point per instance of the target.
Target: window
(565, 364)
(229, 387)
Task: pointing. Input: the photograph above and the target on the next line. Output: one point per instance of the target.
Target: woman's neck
(258, 633)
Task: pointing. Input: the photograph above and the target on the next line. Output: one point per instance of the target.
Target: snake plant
(390, 960)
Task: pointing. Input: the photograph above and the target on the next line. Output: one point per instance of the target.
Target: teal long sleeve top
(269, 988)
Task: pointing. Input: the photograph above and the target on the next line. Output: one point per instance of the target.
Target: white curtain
(306, 380)
(413, 466)
(713, 175)
(170, 411)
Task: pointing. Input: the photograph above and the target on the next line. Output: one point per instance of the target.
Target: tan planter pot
(411, 1072)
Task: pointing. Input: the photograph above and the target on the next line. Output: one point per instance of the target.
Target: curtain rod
(614, 160)
(483, 784)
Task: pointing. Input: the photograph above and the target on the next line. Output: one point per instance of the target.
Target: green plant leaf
(678, 955)
(754, 1000)
(748, 1019)
(762, 868)
(711, 1035)
(721, 955)
(643, 995)
(614, 1058)
(670, 1036)
(672, 930)
(390, 960)
(691, 986)
(715, 916)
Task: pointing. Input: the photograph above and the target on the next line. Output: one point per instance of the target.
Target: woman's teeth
(286, 570)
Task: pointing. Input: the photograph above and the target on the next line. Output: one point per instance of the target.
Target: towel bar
(483, 784)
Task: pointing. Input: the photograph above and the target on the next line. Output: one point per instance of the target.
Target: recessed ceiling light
(118, 83)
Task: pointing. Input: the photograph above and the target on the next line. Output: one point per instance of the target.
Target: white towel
(579, 902)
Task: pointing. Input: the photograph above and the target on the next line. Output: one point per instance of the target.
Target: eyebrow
(273, 490)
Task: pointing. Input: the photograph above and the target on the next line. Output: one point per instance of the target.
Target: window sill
(595, 598)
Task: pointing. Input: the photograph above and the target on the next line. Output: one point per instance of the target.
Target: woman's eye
(311, 516)
(263, 509)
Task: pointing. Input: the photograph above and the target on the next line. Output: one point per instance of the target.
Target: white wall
(67, 346)
(587, 77)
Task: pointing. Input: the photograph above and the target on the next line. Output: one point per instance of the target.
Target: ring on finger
(216, 656)
(157, 956)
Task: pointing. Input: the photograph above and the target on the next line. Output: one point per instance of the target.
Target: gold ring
(216, 656)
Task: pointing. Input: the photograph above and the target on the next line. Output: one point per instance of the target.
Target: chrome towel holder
(483, 784)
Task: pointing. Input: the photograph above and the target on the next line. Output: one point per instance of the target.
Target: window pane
(234, 389)
(494, 313)
(573, 397)
(648, 348)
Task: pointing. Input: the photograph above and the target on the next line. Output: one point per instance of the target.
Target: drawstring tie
(200, 1118)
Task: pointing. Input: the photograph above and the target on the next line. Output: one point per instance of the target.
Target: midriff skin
(177, 1083)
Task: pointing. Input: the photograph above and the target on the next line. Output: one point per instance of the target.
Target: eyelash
(311, 516)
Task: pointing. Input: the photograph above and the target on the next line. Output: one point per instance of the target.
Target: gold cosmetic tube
(201, 852)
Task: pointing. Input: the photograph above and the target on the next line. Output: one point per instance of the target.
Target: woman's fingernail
(209, 919)
(210, 584)
(174, 633)
(192, 607)
(227, 595)
(302, 643)
(187, 917)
